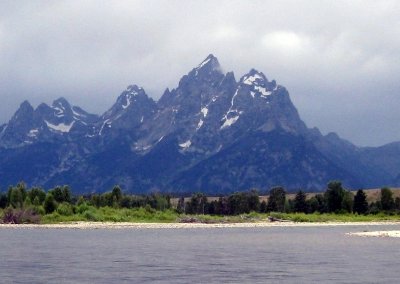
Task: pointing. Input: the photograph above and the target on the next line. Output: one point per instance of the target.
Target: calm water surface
(232, 255)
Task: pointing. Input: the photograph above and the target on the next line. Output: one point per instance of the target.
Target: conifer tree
(387, 201)
(360, 204)
(334, 196)
(276, 199)
(300, 204)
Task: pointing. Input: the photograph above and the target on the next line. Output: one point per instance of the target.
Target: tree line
(335, 199)
(21, 204)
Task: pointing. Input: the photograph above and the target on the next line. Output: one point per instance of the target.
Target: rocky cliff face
(211, 133)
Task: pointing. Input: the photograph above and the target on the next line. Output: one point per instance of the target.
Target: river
(211, 255)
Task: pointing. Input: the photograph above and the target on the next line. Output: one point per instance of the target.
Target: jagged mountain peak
(197, 87)
(253, 77)
(25, 106)
(24, 113)
(134, 89)
(62, 108)
(211, 132)
(207, 67)
(210, 61)
(13, 133)
(126, 100)
(131, 109)
(61, 102)
(258, 83)
(230, 76)
(129, 96)
(61, 111)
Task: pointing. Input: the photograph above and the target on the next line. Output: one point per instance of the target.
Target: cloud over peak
(338, 56)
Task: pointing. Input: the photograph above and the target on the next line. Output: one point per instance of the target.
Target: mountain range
(212, 133)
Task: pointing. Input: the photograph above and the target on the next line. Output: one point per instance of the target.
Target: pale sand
(124, 225)
(391, 234)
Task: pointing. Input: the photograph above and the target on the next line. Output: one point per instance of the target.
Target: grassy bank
(149, 215)
(142, 216)
(109, 214)
(294, 217)
(329, 217)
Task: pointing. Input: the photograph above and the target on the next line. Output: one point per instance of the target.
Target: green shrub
(50, 205)
(81, 208)
(65, 209)
(39, 210)
(90, 215)
(149, 209)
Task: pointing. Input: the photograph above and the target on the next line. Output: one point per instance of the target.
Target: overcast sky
(340, 60)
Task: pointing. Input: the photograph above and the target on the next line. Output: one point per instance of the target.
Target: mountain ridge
(211, 133)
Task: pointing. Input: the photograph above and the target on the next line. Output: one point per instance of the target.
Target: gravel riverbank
(124, 225)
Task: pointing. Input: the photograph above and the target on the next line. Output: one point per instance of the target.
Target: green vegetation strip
(20, 205)
(332, 217)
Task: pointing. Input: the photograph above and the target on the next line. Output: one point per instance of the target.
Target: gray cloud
(339, 59)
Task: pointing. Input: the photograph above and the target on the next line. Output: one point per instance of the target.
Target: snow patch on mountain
(204, 111)
(200, 124)
(251, 79)
(4, 129)
(229, 121)
(65, 128)
(232, 100)
(134, 89)
(204, 62)
(185, 144)
(259, 84)
(33, 133)
(133, 92)
(59, 112)
(263, 91)
(107, 123)
(78, 115)
(127, 102)
(210, 61)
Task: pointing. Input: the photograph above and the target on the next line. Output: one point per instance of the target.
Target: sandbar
(128, 225)
(386, 234)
